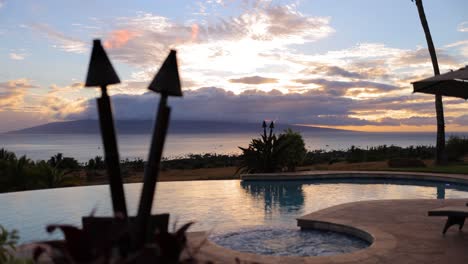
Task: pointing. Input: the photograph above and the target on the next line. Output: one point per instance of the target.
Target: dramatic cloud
(339, 88)
(421, 56)
(335, 71)
(311, 107)
(12, 94)
(205, 104)
(254, 80)
(261, 44)
(118, 38)
(463, 26)
(57, 106)
(17, 56)
(263, 28)
(462, 45)
(61, 41)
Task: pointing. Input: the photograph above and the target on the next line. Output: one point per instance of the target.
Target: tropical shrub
(19, 174)
(270, 153)
(405, 163)
(456, 148)
(63, 163)
(356, 154)
(293, 154)
(96, 164)
(113, 244)
(8, 241)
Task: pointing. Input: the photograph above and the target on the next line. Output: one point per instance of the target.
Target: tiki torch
(101, 73)
(167, 83)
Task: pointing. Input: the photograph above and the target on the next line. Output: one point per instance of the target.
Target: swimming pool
(214, 205)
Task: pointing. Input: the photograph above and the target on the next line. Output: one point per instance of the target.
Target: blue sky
(348, 62)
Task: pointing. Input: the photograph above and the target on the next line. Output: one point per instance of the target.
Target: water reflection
(441, 191)
(284, 195)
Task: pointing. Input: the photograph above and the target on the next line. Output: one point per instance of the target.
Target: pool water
(289, 242)
(215, 206)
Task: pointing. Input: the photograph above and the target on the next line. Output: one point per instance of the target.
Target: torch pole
(152, 169)
(111, 154)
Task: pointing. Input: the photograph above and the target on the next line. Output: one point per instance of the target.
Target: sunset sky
(334, 63)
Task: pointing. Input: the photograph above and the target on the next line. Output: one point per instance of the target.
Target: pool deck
(401, 229)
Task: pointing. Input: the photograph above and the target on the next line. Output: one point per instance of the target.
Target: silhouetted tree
(440, 145)
(6, 155)
(60, 162)
(53, 177)
(293, 154)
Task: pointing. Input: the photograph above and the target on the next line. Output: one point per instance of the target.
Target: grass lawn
(229, 172)
(457, 168)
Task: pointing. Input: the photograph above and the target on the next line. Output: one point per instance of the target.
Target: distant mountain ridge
(176, 127)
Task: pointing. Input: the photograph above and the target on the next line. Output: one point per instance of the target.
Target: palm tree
(440, 145)
(52, 177)
(6, 155)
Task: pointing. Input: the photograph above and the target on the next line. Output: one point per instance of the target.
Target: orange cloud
(118, 38)
(195, 30)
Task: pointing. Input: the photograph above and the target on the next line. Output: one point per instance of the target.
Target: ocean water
(86, 146)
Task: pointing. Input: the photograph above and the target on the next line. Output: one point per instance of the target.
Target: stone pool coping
(323, 175)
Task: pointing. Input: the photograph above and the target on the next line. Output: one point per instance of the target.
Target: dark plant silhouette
(457, 147)
(53, 177)
(63, 163)
(294, 153)
(19, 174)
(440, 146)
(114, 245)
(6, 155)
(271, 153)
(8, 242)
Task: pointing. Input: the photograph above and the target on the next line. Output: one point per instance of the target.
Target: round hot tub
(290, 242)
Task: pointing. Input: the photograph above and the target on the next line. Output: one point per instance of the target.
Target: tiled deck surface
(402, 231)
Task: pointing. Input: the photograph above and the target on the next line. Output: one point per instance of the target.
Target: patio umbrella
(452, 83)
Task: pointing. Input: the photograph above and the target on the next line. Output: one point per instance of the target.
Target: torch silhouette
(167, 83)
(101, 73)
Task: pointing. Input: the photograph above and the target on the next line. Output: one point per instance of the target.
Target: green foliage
(8, 241)
(378, 153)
(111, 243)
(405, 163)
(199, 161)
(270, 153)
(456, 148)
(453, 169)
(294, 152)
(96, 164)
(19, 174)
(63, 163)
